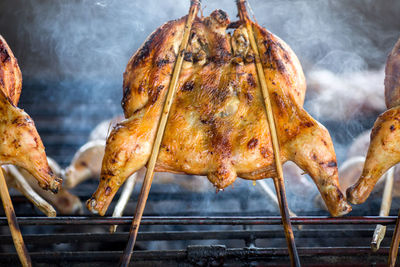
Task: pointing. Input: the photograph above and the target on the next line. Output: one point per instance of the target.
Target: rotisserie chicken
(20, 143)
(217, 125)
(384, 149)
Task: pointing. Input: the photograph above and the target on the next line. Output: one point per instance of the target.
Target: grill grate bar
(199, 220)
(333, 255)
(187, 235)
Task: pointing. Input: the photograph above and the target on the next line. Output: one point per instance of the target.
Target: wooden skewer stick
(278, 180)
(273, 197)
(394, 246)
(13, 224)
(123, 199)
(267, 190)
(194, 7)
(380, 229)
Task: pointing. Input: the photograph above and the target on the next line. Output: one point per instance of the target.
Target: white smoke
(92, 40)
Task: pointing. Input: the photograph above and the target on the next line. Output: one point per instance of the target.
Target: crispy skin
(10, 74)
(217, 125)
(20, 143)
(384, 150)
(383, 153)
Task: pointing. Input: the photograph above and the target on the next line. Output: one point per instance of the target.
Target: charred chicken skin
(20, 143)
(217, 125)
(10, 74)
(384, 150)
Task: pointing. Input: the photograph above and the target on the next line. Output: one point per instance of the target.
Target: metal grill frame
(213, 255)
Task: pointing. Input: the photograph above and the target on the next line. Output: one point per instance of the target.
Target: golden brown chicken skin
(384, 149)
(10, 74)
(217, 126)
(20, 143)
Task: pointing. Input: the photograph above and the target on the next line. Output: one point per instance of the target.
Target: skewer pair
(278, 181)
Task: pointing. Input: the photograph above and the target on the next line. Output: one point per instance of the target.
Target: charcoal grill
(213, 239)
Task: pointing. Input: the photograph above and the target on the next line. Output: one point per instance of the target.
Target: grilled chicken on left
(20, 143)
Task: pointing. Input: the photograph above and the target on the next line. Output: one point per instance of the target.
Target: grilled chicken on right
(384, 149)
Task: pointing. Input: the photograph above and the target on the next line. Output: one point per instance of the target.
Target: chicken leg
(384, 149)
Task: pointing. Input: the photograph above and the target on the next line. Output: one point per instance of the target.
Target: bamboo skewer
(394, 246)
(287, 226)
(380, 229)
(124, 198)
(278, 180)
(267, 190)
(125, 259)
(13, 224)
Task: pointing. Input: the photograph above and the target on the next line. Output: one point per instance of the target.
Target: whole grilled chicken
(217, 124)
(20, 143)
(384, 149)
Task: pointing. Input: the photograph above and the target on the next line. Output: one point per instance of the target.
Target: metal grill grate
(317, 227)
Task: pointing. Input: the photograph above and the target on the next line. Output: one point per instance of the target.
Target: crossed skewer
(278, 181)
